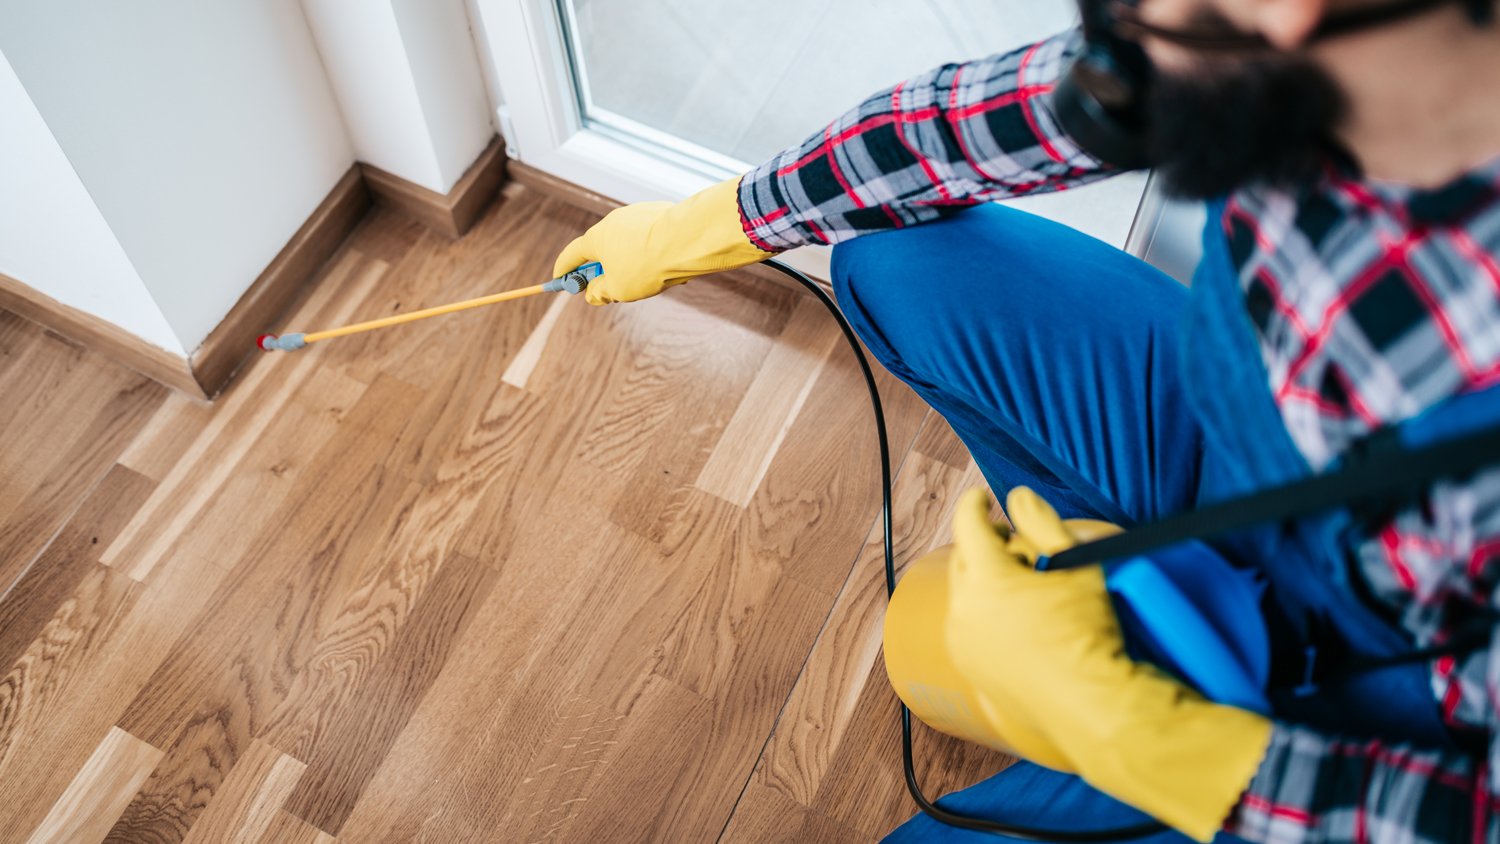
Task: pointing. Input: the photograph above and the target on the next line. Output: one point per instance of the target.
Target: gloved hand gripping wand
(573, 283)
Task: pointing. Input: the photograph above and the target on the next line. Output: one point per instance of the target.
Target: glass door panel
(723, 85)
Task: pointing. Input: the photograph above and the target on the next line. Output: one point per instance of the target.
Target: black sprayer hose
(1025, 833)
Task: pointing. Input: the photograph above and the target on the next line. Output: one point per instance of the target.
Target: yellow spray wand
(574, 282)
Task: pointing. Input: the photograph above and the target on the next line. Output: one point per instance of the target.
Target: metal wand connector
(576, 281)
(284, 343)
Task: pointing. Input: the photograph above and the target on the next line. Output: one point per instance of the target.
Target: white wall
(362, 51)
(440, 50)
(53, 237)
(409, 84)
(205, 132)
(486, 59)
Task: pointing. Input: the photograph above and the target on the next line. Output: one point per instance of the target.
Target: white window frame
(543, 129)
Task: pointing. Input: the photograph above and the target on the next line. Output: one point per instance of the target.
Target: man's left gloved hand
(1047, 658)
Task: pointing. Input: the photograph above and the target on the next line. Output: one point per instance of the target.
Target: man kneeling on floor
(1349, 153)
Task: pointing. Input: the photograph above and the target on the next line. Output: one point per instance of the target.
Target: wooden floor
(537, 572)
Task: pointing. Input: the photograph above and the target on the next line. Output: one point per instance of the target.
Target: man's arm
(957, 135)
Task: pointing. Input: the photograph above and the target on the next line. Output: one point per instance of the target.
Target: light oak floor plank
(836, 748)
(247, 808)
(290, 829)
(347, 759)
(96, 795)
(35, 599)
(768, 409)
(163, 440)
(243, 414)
(66, 415)
(104, 672)
(767, 816)
(54, 668)
(525, 361)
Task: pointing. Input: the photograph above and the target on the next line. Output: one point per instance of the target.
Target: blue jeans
(1053, 356)
(1055, 359)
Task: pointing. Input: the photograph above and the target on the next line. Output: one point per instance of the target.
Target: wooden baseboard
(100, 336)
(233, 341)
(454, 213)
(272, 294)
(550, 185)
(283, 282)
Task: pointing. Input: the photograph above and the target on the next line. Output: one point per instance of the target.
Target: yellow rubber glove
(1048, 660)
(650, 246)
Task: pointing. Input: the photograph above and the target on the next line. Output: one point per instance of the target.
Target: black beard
(1231, 123)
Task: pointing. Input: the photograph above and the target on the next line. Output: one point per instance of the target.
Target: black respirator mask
(1101, 101)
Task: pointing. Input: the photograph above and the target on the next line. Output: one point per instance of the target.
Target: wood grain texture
(101, 789)
(836, 748)
(171, 430)
(290, 829)
(66, 417)
(17, 334)
(767, 816)
(768, 409)
(525, 361)
(356, 743)
(535, 572)
(826, 441)
(52, 669)
(219, 687)
(72, 556)
(499, 707)
(115, 632)
(58, 614)
(822, 707)
(234, 429)
(451, 214)
(247, 808)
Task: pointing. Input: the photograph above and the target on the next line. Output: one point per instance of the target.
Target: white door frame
(542, 121)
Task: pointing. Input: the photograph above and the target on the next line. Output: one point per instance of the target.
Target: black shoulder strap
(1376, 478)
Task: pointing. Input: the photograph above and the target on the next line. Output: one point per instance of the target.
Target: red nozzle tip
(261, 341)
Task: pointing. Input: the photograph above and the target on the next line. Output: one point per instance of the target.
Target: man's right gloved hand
(650, 246)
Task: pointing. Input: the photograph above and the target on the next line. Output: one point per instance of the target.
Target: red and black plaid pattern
(1370, 302)
(954, 136)
(1312, 787)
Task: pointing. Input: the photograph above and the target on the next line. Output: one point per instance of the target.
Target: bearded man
(1349, 155)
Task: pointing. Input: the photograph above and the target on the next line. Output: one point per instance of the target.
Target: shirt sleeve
(954, 136)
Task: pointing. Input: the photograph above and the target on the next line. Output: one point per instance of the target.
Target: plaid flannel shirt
(1371, 302)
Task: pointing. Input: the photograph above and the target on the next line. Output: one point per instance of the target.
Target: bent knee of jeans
(850, 287)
